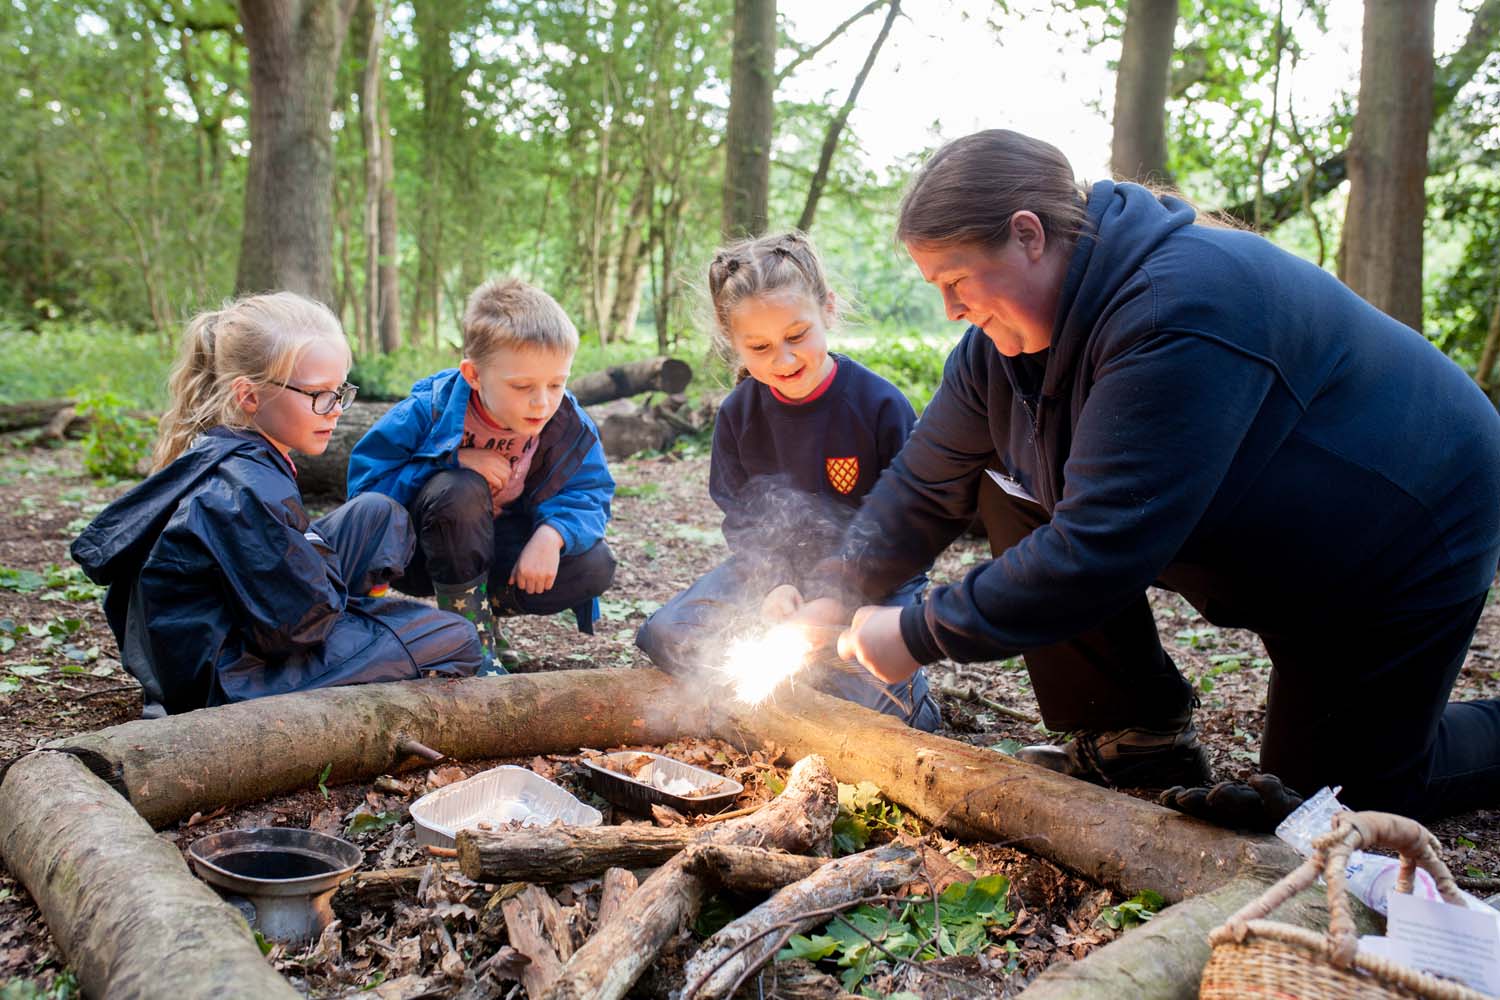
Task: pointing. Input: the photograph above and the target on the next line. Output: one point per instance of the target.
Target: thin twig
(731, 814)
(116, 689)
(967, 693)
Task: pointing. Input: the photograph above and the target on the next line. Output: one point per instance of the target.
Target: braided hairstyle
(756, 266)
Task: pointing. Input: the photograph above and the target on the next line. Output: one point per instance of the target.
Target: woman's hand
(536, 571)
(780, 604)
(493, 466)
(874, 639)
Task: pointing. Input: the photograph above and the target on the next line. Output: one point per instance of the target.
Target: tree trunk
(286, 241)
(747, 943)
(171, 768)
(799, 819)
(748, 131)
(389, 271)
(1485, 376)
(562, 854)
(1117, 841)
(630, 266)
(1380, 252)
(836, 127)
(373, 12)
(1138, 151)
(120, 902)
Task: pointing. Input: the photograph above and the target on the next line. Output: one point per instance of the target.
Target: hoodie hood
(118, 541)
(1125, 224)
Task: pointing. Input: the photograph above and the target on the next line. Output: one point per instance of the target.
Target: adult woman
(1144, 399)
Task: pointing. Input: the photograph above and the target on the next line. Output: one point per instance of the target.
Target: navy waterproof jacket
(218, 591)
(1214, 415)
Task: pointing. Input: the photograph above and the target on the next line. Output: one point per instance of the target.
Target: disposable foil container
(504, 794)
(685, 780)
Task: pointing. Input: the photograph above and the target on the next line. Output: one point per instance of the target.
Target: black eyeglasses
(323, 399)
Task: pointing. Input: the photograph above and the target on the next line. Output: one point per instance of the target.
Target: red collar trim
(476, 406)
(822, 388)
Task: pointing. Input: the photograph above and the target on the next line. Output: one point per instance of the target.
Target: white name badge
(1012, 486)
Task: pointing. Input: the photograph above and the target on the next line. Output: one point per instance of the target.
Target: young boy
(501, 470)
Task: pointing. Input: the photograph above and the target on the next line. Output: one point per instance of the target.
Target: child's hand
(489, 463)
(780, 604)
(536, 571)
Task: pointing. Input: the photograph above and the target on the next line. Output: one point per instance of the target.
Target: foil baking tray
(661, 780)
(505, 794)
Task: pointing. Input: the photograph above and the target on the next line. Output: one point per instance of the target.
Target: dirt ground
(60, 673)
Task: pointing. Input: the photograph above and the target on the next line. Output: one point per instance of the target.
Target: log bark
(120, 902)
(750, 869)
(800, 819)
(524, 921)
(1115, 840)
(744, 945)
(619, 884)
(1164, 959)
(660, 374)
(30, 413)
(564, 853)
(170, 768)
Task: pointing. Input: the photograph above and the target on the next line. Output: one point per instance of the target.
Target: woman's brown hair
(970, 188)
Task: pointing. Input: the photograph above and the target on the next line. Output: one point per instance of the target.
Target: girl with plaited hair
(797, 444)
(1143, 399)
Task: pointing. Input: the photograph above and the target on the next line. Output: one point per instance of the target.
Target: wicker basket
(1255, 957)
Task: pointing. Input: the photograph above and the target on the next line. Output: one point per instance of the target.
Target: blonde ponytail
(258, 338)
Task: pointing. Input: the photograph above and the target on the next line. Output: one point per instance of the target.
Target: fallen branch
(120, 902)
(524, 921)
(800, 819)
(171, 768)
(660, 374)
(1164, 959)
(380, 890)
(739, 948)
(966, 692)
(619, 884)
(979, 794)
(750, 869)
(565, 853)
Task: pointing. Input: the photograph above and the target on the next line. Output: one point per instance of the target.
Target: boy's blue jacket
(218, 592)
(1215, 415)
(568, 485)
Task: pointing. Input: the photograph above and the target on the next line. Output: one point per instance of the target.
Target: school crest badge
(843, 473)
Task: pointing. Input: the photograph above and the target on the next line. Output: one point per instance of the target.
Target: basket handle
(1350, 832)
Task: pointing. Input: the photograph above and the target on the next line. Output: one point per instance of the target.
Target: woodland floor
(60, 674)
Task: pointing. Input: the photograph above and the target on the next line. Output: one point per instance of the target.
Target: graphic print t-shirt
(481, 431)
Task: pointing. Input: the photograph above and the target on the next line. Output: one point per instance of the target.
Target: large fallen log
(659, 374)
(745, 944)
(171, 768)
(981, 794)
(1164, 959)
(120, 902)
(31, 413)
(565, 853)
(800, 819)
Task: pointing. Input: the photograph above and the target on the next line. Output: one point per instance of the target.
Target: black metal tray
(638, 795)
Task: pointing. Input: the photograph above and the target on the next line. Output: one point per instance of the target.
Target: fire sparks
(756, 665)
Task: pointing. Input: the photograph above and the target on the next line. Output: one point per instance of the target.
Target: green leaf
(1008, 746)
(1464, 841)
(9, 686)
(371, 822)
(323, 778)
(22, 581)
(30, 669)
(811, 948)
(262, 943)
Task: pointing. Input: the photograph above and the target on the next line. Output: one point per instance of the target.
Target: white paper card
(1447, 940)
(1012, 486)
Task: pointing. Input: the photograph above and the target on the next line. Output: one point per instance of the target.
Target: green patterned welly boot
(471, 601)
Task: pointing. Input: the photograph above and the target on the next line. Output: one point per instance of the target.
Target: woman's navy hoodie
(1215, 415)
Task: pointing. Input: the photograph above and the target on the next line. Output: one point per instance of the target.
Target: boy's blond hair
(507, 313)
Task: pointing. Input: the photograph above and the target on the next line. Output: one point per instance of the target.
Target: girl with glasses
(221, 588)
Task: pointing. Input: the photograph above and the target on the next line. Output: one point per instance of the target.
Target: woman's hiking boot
(470, 601)
(1141, 757)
